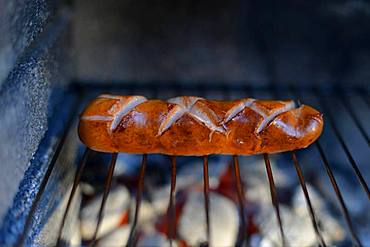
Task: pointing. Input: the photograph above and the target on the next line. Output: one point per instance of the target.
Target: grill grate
(229, 91)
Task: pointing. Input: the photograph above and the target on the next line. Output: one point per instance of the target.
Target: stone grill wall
(33, 51)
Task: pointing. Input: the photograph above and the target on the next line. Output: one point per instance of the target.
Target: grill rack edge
(297, 93)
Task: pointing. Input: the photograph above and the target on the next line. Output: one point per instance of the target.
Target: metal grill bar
(107, 185)
(273, 192)
(364, 98)
(274, 199)
(73, 191)
(45, 180)
(303, 185)
(241, 200)
(171, 207)
(243, 236)
(35, 203)
(342, 143)
(172, 202)
(131, 240)
(308, 201)
(349, 108)
(206, 196)
(343, 206)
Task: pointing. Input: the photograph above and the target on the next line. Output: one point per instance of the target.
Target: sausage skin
(195, 126)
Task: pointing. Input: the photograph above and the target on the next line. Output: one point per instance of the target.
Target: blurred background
(56, 55)
(251, 41)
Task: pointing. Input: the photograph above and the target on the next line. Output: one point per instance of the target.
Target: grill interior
(343, 148)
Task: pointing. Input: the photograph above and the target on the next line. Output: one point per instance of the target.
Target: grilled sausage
(195, 126)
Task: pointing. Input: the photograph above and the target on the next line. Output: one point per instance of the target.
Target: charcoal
(300, 204)
(329, 227)
(116, 238)
(293, 227)
(76, 235)
(87, 189)
(296, 220)
(253, 173)
(116, 206)
(147, 214)
(254, 170)
(191, 175)
(155, 239)
(224, 220)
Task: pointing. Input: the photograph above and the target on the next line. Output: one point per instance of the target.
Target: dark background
(311, 42)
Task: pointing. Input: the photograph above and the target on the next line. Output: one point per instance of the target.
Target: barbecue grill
(45, 210)
(323, 99)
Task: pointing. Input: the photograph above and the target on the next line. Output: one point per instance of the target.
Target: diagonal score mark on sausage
(188, 105)
(119, 109)
(243, 103)
(186, 123)
(182, 106)
(297, 132)
(193, 107)
(267, 116)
